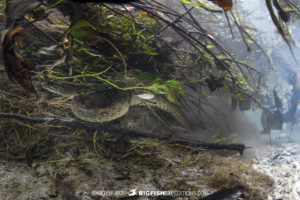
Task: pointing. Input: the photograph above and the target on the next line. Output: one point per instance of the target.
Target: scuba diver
(274, 116)
(294, 81)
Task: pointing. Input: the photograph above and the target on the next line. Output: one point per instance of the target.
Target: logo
(132, 193)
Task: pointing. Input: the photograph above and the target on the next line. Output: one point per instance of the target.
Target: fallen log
(113, 129)
(209, 145)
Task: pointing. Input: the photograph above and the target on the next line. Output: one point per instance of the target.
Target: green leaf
(151, 53)
(239, 97)
(220, 140)
(222, 57)
(159, 80)
(76, 30)
(210, 46)
(199, 4)
(249, 41)
(174, 83)
(77, 33)
(186, 1)
(208, 56)
(127, 36)
(148, 47)
(139, 33)
(134, 29)
(81, 24)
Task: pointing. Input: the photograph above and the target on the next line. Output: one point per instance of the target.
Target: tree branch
(112, 129)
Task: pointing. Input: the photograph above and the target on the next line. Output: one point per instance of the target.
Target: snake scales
(110, 104)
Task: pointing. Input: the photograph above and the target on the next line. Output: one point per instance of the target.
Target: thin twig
(241, 32)
(170, 24)
(228, 22)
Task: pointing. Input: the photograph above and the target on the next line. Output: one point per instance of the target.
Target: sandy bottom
(281, 161)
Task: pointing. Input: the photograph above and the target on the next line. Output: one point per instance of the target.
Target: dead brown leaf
(144, 14)
(17, 69)
(20, 41)
(225, 4)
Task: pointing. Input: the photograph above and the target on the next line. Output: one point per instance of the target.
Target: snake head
(145, 96)
(138, 99)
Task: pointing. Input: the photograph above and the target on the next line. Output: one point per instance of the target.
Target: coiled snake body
(110, 104)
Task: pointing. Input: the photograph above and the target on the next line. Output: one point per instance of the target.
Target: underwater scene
(150, 99)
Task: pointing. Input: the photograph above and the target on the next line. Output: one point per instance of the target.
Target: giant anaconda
(110, 104)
